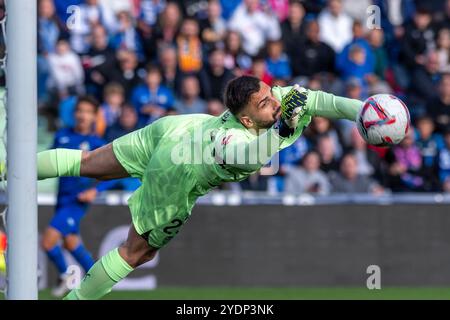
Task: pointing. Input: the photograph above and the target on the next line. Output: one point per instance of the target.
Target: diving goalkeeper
(259, 122)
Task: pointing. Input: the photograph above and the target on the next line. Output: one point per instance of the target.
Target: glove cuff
(283, 129)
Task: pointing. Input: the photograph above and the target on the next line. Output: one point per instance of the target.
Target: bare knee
(47, 244)
(71, 242)
(50, 239)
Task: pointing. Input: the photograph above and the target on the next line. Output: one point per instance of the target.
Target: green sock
(100, 279)
(58, 163)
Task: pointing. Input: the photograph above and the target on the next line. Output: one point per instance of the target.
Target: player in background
(257, 116)
(74, 196)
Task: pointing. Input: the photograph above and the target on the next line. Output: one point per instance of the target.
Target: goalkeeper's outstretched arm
(240, 152)
(328, 105)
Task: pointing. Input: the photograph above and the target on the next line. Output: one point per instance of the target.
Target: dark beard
(266, 124)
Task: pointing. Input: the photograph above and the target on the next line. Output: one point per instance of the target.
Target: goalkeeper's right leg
(101, 164)
(113, 267)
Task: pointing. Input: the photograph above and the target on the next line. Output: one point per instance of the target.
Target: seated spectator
(358, 39)
(278, 62)
(439, 108)
(190, 101)
(363, 155)
(443, 49)
(111, 108)
(376, 41)
(149, 10)
(312, 56)
(127, 122)
(189, 47)
(259, 70)
(444, 163)
(214, 27)
(353, 90)
(394, 15)
(293, 31)
(429, 144)
(418, 39)
(328, 159)
(355, 65)
(215, 107)
(66, 71)
(168, 61)
(91, 13)
(315, 83)
(424, 79)
(152, 100)
(321, 126)
(214, 76)
(307, 178)
(349, 181)
(49, 27)
(254, 26)
(127, 36)
(361, 62)
(335, 26)
(128, 73)
(168, 25)
(99, 62)
(405, 165)
(236, 59)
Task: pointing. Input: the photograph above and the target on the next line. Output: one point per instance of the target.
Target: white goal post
(21, 85)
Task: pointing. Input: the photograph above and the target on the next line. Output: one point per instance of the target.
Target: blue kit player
(74, 195)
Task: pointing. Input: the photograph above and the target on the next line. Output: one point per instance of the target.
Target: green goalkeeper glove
(293, 103)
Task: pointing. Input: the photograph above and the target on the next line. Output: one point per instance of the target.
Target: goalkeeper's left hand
(293, 103)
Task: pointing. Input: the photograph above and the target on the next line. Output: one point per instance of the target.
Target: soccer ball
(383, 120)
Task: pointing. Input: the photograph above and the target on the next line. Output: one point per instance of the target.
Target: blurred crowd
(146, 59)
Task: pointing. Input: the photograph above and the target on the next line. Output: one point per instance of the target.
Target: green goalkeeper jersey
(180, 158)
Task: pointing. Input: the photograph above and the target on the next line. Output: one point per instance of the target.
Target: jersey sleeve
(245, 151)
(328, 105)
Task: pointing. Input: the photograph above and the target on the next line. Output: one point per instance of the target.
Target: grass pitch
(212, 293)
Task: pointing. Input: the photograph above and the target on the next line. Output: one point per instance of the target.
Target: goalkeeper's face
(263, 109)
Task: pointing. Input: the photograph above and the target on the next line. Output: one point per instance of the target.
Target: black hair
(238, 92)
(307, 154)
(88, 99)
(424, 117)
(151, 67)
